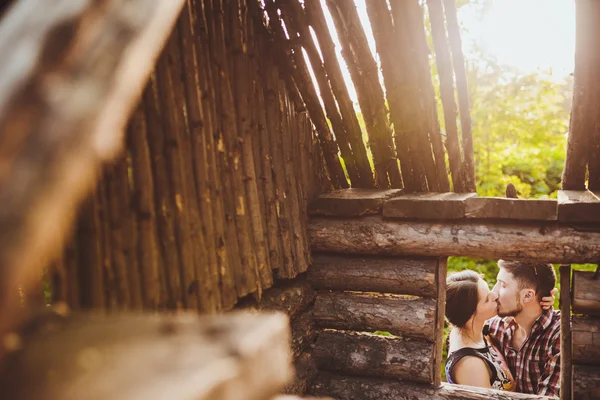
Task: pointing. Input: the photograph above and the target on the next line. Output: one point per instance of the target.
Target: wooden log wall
(585, 335)
(365, 245)
(361, 297)
(208, 202)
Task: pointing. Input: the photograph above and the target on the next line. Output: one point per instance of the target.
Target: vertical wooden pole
(440, 282)
(566, 371)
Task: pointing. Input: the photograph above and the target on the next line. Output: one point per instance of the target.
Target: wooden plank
(399, 315)
(414, 276)
(427, 206)
(586, 382)
(586, 293)
(230, 356)
(586, 340)
(372, 355)
(351, 202)
(360, 388)
(514, 209)
(566, 344)
(578, 206)
(539, 242)
(440, 319)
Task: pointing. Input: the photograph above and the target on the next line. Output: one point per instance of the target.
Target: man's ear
(528, 295)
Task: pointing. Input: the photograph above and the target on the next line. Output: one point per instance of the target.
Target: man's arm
(549, 383)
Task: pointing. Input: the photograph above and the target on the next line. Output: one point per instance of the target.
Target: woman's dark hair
(462, 296)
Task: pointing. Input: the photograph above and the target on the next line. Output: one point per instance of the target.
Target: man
(527, 335)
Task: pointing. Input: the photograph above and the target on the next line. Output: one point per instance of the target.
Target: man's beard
(511, 313)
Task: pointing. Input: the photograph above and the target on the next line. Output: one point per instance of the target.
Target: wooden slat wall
(208, 202)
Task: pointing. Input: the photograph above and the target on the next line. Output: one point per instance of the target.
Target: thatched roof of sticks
(407, 146)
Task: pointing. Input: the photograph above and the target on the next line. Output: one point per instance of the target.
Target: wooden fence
(208, 202)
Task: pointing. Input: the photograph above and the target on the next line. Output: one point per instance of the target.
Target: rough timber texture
(427, 206)
(372, 355)
(586, 293)
(585, 332)
(586, 382)
(399, 315)
(351, 202)
(512, 209)
(578, 206)
(305, 371)
(87, 356)
(414, 276)
(208, 202)
(291, 298)
(548, 242)
(358, 388)
(70, 76)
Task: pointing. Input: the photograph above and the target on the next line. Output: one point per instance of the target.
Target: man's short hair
(540, 277)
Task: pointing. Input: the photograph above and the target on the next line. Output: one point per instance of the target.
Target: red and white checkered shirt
(536, 366)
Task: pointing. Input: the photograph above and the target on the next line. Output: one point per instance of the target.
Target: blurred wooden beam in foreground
(143, 356)
(70, 74)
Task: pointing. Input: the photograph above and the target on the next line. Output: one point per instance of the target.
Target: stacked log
(359, 298)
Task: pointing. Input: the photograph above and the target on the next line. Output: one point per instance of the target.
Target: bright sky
(527, 34)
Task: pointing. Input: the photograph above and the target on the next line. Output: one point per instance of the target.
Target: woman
(472, 359)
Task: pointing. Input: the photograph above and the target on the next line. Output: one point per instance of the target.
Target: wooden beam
(586, 382)
(352, 202)
(137, 356)
(372, 355)
(586, 340)
(540, 242)
(511, 209)
(578, 206)
(396, 314)
(586, 293)
(414, 276)
(427, 206)
(566, 345)
(346, 387)
(70, 76)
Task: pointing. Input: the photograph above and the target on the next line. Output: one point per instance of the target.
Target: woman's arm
(472, 371)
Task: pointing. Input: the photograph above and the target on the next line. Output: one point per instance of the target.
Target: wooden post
(440, 277)
(566, 348)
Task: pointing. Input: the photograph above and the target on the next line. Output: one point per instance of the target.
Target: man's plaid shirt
(536, 366)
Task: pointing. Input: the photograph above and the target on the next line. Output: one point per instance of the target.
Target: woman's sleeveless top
(501, 377)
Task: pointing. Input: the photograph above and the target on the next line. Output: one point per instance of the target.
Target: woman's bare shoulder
(473, 371)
